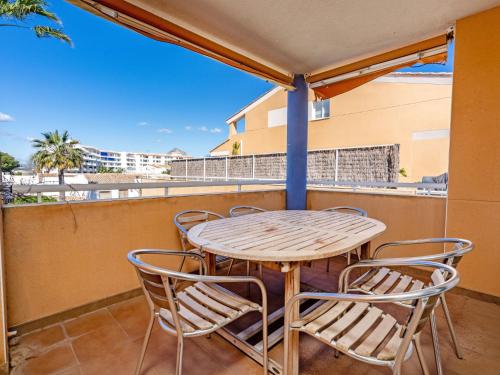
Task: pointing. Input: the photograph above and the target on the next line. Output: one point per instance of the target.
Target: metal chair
(237, 211)
(185, 220)
(352, 324)
(352, 211)
(390, 281)
(198, 309)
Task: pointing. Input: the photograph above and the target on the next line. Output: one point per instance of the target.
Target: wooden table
(281, 240)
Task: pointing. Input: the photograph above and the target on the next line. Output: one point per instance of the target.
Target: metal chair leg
(349, 258)
(145, 344)
(420, 354)
(435, 344)
(265, 342)
(328, 265)
(261, 272)
(458, 350)
(180, 349)
(248, 274)
(230, 267)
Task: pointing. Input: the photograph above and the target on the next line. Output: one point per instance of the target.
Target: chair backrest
(349, 210)
(158, 284)
(244, 210)
(450, 257)
(185, 220)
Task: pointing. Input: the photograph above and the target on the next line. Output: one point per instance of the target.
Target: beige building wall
(62, 256)
(374, 114)
(474, 190)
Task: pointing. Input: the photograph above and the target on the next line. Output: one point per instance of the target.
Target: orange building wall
(373, 114)
(474, 190)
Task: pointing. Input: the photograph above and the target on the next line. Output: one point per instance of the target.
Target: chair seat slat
(327, 317)
(211, 303)
(233, 301)
(376, 279)
(200, 309)
(373, 340)
(166, 315)
(390, 350)
(388, 283)
(194, 319)
(354, 334)
(344, 322)
(403, 284)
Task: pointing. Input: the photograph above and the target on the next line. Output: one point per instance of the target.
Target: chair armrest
(462, 246)
(183, 254)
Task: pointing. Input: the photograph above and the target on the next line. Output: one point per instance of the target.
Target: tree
(7, 162)
(103, 169)
(56, 151)
(236, 148)
(18, 12)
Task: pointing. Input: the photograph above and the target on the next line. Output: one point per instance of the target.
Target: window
(320, 109)
(277, 117)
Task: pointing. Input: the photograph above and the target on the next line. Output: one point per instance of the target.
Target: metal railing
(137, 188)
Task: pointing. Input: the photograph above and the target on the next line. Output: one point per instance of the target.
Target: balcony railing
(137, 189)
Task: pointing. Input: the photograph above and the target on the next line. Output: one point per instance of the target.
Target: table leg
(365, 250)
(292, 287)
(210, 259)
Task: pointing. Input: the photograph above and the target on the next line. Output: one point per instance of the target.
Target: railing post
(165, 191)
(253, 167)
(186, 169)
(204, 169)
(336, 178)
(226, 169)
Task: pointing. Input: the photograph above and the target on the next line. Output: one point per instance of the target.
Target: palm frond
(22, 9)
(50, 32)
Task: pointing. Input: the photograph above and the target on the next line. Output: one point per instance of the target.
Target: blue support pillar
(296, 149)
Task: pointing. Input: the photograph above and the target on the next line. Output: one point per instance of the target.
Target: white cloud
(203, 129)
(165, 130)
(188, 128)
(142, 123)
(29, 139)
(215, 130)
(4, 117)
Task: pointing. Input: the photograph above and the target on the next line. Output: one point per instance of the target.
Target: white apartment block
(130, 162)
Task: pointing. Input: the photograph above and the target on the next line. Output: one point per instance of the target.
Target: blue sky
(116, 89)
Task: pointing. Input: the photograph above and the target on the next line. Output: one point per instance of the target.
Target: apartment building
(129, 162)
(412, 110)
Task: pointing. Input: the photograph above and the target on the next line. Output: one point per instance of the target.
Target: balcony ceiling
(303, 36)
(307, 36)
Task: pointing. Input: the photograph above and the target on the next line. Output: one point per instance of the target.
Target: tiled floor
(108, 341)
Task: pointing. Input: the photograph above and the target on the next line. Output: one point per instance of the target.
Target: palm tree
(18, 12)
(56, 151)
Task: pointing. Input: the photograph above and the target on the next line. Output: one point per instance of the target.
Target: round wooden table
(281, 240)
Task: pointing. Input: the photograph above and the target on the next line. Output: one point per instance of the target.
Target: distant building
(412, 110)
(129, 162)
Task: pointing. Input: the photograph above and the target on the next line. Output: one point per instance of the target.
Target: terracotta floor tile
(132, 315)
(72, 371)
(43, 338)
(54, 361)
(99, 342)
(89, 322)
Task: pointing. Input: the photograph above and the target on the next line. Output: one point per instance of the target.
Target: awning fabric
(329, 90)
(153, 26)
